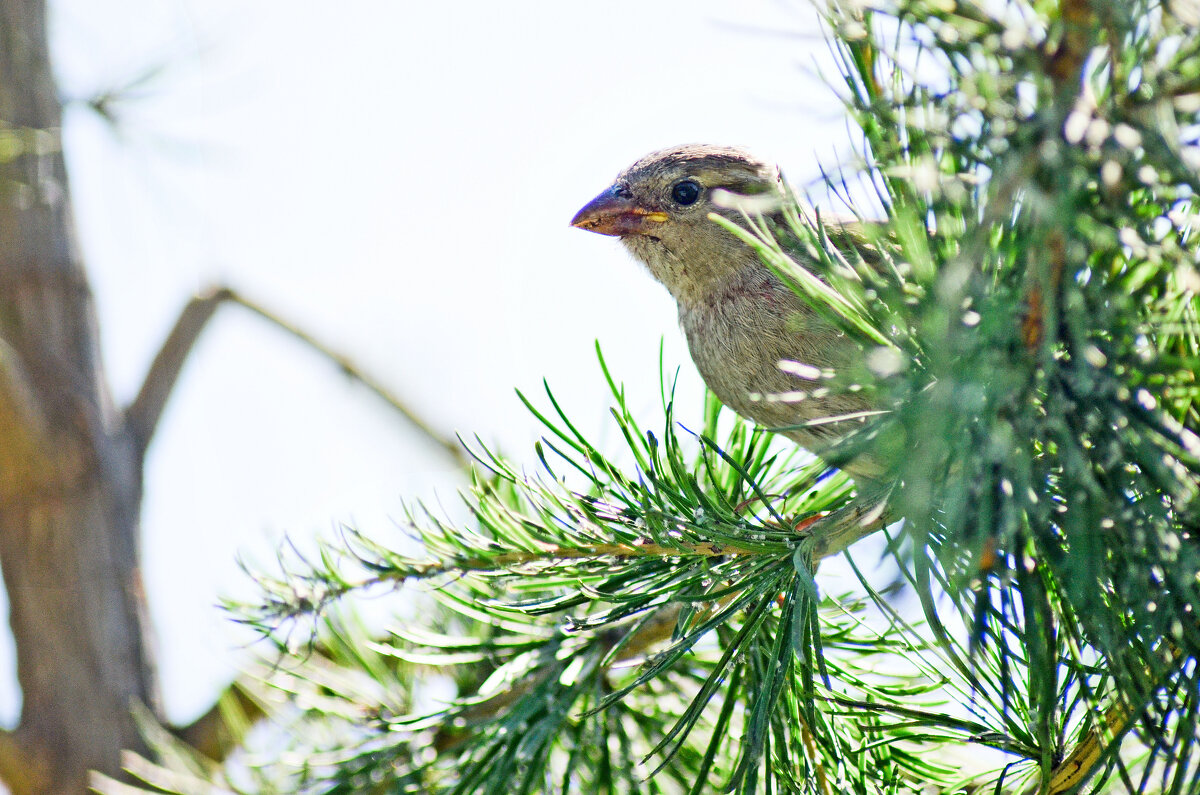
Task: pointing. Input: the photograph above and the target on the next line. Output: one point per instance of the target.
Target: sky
(397, 179)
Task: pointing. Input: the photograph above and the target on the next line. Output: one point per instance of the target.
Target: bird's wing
(854, 242)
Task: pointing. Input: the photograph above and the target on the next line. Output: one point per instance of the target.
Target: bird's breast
(737, 343)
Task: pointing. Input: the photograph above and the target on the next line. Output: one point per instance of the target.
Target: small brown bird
(742, 322)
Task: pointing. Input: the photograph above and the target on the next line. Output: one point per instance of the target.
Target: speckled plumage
(740, 319)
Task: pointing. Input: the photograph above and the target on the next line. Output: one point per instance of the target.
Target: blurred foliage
(651, 620)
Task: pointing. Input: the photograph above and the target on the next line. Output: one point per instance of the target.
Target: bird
(763, 350)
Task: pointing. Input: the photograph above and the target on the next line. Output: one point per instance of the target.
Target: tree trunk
(70, 469)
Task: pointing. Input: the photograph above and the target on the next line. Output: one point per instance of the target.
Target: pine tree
(652, 618)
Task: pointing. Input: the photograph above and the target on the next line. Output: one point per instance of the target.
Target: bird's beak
(613, 214)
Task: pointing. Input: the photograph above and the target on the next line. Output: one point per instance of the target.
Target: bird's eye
(685, 192)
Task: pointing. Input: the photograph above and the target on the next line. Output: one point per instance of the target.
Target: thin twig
(828, 536)
(143, 414)
(1078, 766)
(836, 532)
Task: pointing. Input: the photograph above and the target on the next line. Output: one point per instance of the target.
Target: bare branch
(144, 413)
(142, 416)
(451, 446)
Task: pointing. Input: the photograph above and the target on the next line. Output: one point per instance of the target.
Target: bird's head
(660, 208)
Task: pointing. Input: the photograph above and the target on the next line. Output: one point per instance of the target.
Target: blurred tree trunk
(70, 465)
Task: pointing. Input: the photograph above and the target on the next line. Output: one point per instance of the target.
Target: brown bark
(70, 473)
(71, 463)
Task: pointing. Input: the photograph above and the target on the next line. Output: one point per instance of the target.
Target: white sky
(397, 178)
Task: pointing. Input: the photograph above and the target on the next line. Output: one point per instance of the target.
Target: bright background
(396, 178)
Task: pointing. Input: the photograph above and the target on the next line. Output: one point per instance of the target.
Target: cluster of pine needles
(653, 618)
